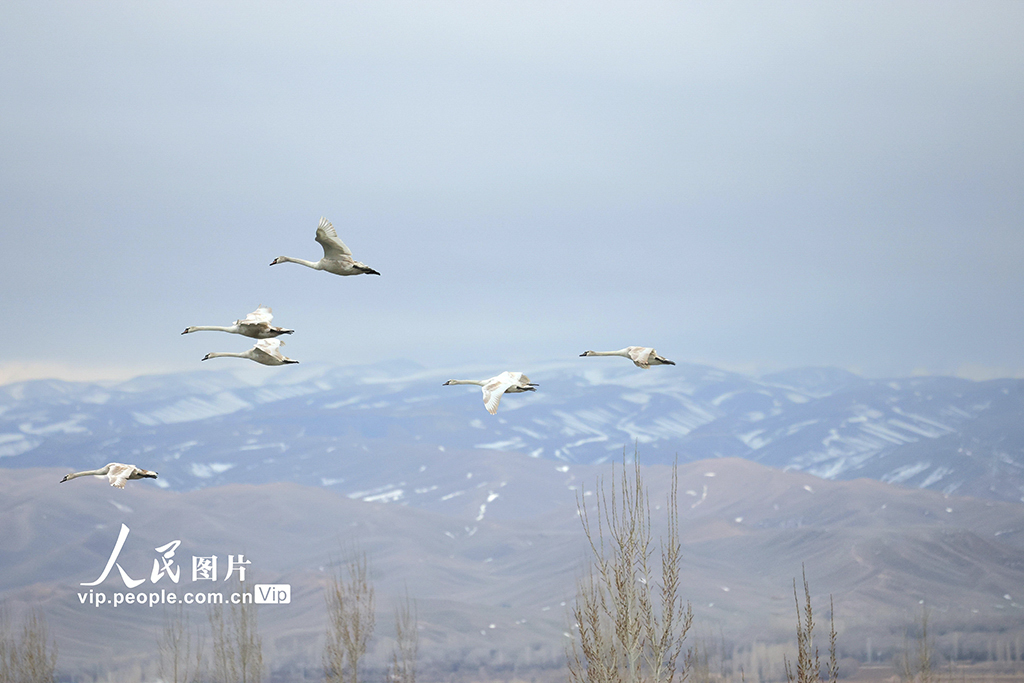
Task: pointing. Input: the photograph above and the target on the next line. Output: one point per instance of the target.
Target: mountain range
(895, 495)
(351, 428)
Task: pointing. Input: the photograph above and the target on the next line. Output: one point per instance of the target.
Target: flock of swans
(338, 260)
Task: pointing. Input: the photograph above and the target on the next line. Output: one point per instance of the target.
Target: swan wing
(118, 474)
(328, 238)
(495, 387)
(640, 355)
(263, 314)
(256, 321)
(269, 347)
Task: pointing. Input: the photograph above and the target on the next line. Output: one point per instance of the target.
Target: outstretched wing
(118, 474)
(641, 356)
(493, 390)
(270, 347)
(328, 238)
(263, 314)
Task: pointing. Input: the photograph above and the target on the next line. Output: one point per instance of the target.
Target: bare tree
(630, 619)
(350, 621)
(402, 668)
(181, 653)
(808, 664)
(916, 667)
(31, 658)
(237, 645)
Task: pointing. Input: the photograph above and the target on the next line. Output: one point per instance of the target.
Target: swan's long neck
(212, 328)
(227, 354)
(101, 471)
(315, 265)
(621, 352)
(477, 382)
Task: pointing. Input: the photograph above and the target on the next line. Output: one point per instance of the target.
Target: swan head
(208, 356)
(146, 474)
(65, 478)
(586, 353)
(447, 383)
(189, 329)
(279, 259)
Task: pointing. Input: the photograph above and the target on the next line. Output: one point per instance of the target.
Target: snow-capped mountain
(378, 432)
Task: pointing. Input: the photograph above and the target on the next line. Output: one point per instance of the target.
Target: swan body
(337, 257)
(266, 352)
(642, 356)
(493, 388)
(117, 473)
(256, 325)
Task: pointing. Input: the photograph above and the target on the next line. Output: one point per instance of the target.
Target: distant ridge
(307, 426)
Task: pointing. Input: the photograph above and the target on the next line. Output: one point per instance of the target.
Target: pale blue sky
(752, 185)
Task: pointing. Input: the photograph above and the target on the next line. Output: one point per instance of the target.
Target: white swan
(641, 356)
(493, 388)
(255, 325)
(116, 472)
(266, 352)
(337, 257)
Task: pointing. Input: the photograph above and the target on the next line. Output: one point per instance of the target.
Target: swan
(255, 325)
(266, 351)
(493, 388)
(641, 356)
(337, 257)
(116, 472)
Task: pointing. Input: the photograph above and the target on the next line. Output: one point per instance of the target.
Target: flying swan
(255, 325)
(641, 356)
(266, 352)
(116, 472)
(337, 257)
(493, 388)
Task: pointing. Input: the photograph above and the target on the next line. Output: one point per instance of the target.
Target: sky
(756, 186)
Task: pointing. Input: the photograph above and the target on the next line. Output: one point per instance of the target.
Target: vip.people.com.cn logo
(165, 566)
